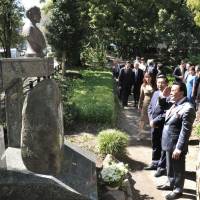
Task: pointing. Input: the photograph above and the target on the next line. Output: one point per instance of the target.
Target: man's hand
(166, 91)
(176, 154)
(152, 125)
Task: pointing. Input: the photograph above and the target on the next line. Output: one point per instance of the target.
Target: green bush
(69, 109)
(94, 56)
(112, 142)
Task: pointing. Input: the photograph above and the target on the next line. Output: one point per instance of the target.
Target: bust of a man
(35, 39)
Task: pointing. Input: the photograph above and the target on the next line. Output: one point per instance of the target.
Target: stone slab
(16, 185)
(11, 68)
(78, 169)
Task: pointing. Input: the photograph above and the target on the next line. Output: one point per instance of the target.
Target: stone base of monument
(77, 180)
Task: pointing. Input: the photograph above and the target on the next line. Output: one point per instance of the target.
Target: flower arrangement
(114, 174)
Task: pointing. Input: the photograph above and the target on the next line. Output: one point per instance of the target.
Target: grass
(94, 98)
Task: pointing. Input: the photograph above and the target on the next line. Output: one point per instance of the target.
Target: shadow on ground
(137, 195)
(133, 164)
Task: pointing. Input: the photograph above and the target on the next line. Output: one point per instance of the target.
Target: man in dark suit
(156, 115)
(179, 72)
(175, 137)
(125, 83)
(138, 76)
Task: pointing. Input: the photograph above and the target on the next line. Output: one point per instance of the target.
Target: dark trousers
(176, 171)
(158, 156)
(124, 96)
(136, 94)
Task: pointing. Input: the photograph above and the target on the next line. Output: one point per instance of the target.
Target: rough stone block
(79, 170)
(42, 128)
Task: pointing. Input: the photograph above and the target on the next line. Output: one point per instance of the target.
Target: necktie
(136, 74)
(171, 110)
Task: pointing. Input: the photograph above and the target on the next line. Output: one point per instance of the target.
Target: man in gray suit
(175, 137)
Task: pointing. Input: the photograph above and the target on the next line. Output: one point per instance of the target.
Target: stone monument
(42, 131)
(45, 164)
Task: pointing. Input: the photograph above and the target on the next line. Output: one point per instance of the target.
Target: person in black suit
(138, 76)
(175, 137)
(156, 115)
(179, 72)
(125, 83)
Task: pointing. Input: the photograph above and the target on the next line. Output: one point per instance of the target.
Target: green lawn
(93, 97)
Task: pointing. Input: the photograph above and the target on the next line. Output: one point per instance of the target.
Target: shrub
(112, 142)
(69, 108)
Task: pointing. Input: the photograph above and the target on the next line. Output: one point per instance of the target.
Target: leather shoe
(150, 167)
(160, 172)
(164, 187)
(173, 195)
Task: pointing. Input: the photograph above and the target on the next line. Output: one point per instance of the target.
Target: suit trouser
(124, 95)
(158, 156)
(176, 171)
(136, 93)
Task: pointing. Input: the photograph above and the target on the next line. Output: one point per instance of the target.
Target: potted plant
(113, 175)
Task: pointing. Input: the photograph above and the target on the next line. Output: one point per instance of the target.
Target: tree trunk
(63, 63)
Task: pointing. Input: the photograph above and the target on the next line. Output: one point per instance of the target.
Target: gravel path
(139, 155)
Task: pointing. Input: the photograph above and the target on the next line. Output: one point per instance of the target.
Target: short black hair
(182, 87)
(162, 76)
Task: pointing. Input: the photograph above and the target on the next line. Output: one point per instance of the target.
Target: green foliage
(94, 98)
(194, 5)
(197, 129)
(194, 59)
(112, 142)
(175, 28)
(171, 79)
(67, 29)
(94, 56)
(11, 13)
(69, 109)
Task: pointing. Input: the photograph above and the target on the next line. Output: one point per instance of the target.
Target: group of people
(169, 111)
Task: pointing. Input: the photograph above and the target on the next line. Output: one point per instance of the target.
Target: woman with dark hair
(146, 92)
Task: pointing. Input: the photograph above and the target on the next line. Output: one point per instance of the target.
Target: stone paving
(139, 156)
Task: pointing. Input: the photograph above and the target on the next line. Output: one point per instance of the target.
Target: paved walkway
(139, 156)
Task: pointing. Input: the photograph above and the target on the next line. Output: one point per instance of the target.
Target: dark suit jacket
(137, 81)
(177, 72)
(178, 127)
(126, 78)
(156, 112)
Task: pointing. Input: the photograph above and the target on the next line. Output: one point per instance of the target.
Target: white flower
(114, 172)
